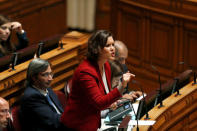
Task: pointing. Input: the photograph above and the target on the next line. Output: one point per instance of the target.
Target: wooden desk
(178, 113)
(63, 63)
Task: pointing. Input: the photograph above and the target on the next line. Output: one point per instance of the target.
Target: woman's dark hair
(4, 20)
(97, 42)
(6, 46)
(116, 68)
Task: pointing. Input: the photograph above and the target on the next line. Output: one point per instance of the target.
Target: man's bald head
(4, 113)
(2, 101)
(121, 51)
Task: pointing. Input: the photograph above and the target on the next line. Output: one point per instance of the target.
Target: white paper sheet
(141, 97)
(141, 122)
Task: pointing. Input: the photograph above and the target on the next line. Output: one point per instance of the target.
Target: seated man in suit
(121, 56)
(5, 117)
(40, 107)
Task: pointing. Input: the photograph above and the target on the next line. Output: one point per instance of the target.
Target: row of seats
(167, 89)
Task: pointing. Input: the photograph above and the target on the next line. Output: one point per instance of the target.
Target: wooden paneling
(160, 33)
(190, 43)
(40, 18)
(103, 12)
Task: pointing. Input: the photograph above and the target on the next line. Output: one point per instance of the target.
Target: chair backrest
(62, 98)
(15, 115)
(167, 89)
(68, 87)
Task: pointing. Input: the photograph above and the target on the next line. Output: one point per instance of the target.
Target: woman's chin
(112, 58)
(4, 39)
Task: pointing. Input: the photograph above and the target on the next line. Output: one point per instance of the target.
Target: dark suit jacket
(9, 127)
(87, 97)
(125, 69)
(36, 112)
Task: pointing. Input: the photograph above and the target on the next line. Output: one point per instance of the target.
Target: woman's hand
(17, 27)
(128, 97)
(114, 105)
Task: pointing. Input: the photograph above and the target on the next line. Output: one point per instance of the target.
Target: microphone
(39, 50)
(14, 60)
(61, 44)
(160, 90)
(194, 73)
(146, 111)
(137, 128)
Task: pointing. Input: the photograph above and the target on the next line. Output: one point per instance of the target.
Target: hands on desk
(132, 95)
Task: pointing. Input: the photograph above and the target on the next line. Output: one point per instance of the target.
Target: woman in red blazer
(91, 85)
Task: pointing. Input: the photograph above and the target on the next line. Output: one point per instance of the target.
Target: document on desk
(141, 122)
(141, 97)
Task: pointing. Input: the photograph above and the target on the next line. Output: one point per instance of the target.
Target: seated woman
(6, 28)
(91, 84)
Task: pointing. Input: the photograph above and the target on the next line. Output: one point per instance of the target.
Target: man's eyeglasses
(47, 74)
(4, 111)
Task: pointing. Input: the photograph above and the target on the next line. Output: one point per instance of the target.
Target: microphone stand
(40, 45)
(61, 45)
(177, 87)
(144, 100)
(194, 78)
(160, 90)
(135, 116)
(14, 60)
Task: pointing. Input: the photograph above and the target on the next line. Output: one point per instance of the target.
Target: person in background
(121, 56)
(6, 28)
(91, 85)
(5, 117)
(40, 107)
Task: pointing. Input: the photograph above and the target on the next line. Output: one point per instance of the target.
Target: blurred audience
(6, 28)
(121, 56)
(5, 117)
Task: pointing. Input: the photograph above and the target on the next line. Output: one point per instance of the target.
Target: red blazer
(88, 97)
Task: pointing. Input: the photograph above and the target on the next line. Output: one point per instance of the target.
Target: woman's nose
(7, 31)
(112, 47)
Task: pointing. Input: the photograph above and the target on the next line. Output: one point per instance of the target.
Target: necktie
(49, 100)
(52, 104)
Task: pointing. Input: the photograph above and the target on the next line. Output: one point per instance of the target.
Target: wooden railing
(179, 112)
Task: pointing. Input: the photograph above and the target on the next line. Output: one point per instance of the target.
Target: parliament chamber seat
(68, 87)
(62, 98)
(178, 113)
(16, 118)
(167, 90)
